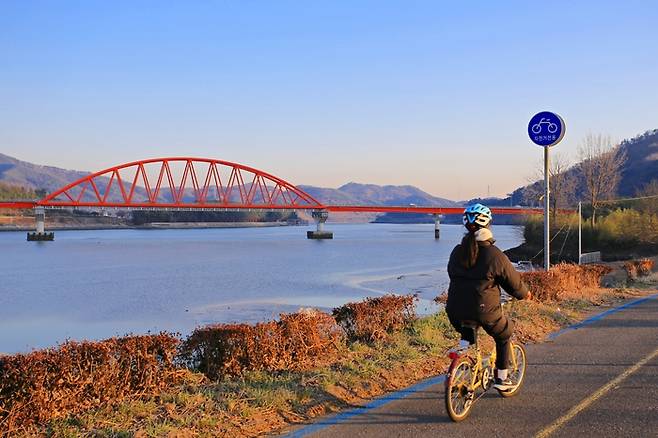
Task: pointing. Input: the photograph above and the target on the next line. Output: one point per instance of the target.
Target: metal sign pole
(580, 231)
(547, 231)
(546, 129)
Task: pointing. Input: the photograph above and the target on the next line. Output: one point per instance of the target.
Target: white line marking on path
(592, 398)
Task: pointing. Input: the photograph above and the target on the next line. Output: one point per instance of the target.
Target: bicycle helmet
(476, 216)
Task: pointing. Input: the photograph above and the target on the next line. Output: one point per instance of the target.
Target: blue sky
(433, 94)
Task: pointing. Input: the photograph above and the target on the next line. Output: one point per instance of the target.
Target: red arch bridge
(184, 183)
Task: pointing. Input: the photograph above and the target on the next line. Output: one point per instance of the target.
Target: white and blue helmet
(477, 215)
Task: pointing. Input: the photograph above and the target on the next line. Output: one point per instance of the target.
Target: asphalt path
(599, 380)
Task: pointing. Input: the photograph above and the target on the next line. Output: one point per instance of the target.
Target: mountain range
(640, 168)
(372, 194)
(34, 176)
(48, 178)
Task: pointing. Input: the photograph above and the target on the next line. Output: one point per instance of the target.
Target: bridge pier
(437, 231)
(40, 234)
(320, 217)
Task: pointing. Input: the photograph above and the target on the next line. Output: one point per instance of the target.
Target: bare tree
(601, 165)
(532, 193)
(649, 193)
(562, 184)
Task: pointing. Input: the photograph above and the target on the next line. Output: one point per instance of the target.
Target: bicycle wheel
(458, 394)
(517, 372)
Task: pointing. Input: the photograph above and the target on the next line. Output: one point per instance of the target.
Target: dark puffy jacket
(475, 293)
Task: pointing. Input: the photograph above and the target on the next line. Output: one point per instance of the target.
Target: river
(102, 283)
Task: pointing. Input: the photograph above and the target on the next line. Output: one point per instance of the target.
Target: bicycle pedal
(456, 353)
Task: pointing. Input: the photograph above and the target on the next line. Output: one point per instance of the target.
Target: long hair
(469, 250)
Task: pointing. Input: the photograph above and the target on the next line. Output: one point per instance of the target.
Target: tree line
(594, 180)
(141, 217)
(620, 228)
(10, 192)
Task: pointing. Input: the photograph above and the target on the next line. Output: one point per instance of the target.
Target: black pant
(498, 327)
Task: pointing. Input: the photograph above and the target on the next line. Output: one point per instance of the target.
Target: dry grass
(564, 281)
(648, 281)
(258, 402)
(76, 377)
(374, 319)
(296, 342)
(638, 268)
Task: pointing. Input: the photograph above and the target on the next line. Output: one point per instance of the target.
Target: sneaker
(503, 384)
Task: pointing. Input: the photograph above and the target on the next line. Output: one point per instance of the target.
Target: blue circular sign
(546, 129)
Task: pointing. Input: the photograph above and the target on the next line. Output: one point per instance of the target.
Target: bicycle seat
(467, 323)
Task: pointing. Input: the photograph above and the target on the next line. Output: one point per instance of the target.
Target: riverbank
(258, 402)
(150, 226)
(534, 252)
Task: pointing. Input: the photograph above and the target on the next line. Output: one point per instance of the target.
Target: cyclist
(477, 271)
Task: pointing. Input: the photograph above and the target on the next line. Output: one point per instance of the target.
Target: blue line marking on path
(378, 402)
(600, 316)
(397, 395)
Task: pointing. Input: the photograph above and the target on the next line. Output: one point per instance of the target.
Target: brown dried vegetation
(564, 280)
(78, 376)
(297, 342)
(638, 268)
(375, 318)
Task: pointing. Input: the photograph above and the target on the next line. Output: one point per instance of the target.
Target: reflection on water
(96, 284)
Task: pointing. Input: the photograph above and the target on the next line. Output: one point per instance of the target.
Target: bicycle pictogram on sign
(546, 129)
(537, 127)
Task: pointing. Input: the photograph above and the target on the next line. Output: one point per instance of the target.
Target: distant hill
(47, 179)
(371, 194)
(640, 169)
(15, 193)
(330, 196)
(642, 164)
(34, 176)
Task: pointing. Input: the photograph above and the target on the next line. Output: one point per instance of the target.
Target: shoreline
(527, 251)
(200, 225)
(154, 226)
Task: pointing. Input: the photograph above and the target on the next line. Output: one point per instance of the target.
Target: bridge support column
(437, 231)
(40, 234)
(320, 217)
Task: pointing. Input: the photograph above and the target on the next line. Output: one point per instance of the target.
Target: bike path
(600, 379)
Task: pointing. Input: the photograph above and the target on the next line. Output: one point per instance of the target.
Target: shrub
(563, 279)
(309, 338)
(645, 266)
(638, 268)
(374, 318)
(617, 230)
(78, 376)
(298, 341)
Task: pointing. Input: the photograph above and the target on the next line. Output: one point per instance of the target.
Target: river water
(98, 284)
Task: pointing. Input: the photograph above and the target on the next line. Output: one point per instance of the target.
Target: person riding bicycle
(477, 270)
